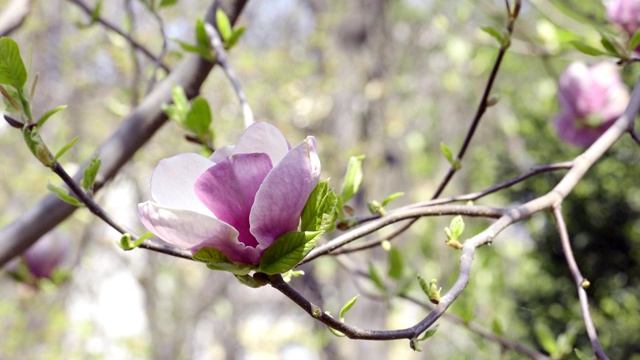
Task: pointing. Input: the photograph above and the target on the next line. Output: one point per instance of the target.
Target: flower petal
(221, 153)
(172, 182)
(229, 188)
(192, 230)
(284, 192)
(265, 138)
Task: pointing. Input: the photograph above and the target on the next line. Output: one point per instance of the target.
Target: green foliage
(63, 194)
(126, 243)
(430, 289)
(65, 148)
(217, 260)
(12, 70)
(195, 117)
(287, 251)
(224, 25)
(455, 163)
(321, 210)
(453, 232)
(43, 119)
(396, 264)
(202, 46)
(90, 173)
(34, 142)
(167, 3)
(352, 178)
(493, 33)
(635, 41)
(427, 334)
(347, 306)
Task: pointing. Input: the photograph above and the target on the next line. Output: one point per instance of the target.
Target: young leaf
(205, 52)
(429, 333)
(49, 114)
(390, 198)
(235, 36)
(65, 148)
(496, 327)
(457, 227)
(199, 117)
(447, 153)
(12, 70)
(63, 194)
(224, 25)
(635, 40)
(493, 32)
(579, 354)
(321, 210)
(90, 173)
(353, 178)
(287, 251)
(608, 43)
(95, 14)
(36, 145)
(250, 281)
(166, 3)
(395, 264)
(377, 281)
(217, 260)
(545, 337)
(347, 306)
(586, 49)
(201, 35)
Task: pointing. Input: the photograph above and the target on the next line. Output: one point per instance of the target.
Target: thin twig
(221, 59)
(163, 51)
(118, 31)
(635, 135)
(104, 216)
(399, 215)
(137, 72)
(484, 101)
(580, 282)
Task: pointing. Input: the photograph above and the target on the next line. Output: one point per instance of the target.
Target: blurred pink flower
(625, 13)
(239, 200)
(591, 99)
(48, 253)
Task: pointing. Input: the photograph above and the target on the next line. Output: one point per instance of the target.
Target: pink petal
(284, 192)
(221, 153)
(265, 138)
(229, 188)
(172, 182)
(191, 230)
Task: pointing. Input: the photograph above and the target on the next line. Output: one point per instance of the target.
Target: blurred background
(390, 79)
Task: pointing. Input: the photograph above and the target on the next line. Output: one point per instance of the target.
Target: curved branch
(128, 138)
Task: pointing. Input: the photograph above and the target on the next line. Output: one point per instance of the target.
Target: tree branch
(13, 16)
(135, 130)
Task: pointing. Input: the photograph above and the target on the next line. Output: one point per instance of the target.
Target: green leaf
(205, 52)
(375, 277)
(34, 142)
(287, 251)
(201, 35)
(90, 173)
(429, 333)
(353, 178)
(224, 25)
(347, 306)
(587, 49)
(199, 117)
(95, 14)
(396, 265)
(496, 327)
(608, 43)
(545, 337)
(49, 114)
(65, 148)
(457, 227)
(217, 260)
(493, 32)
(12, 70)
(424, 285)
(321, 210)
(580, 354)
(634, 42)
(235, 36)
(167, 3)
(447, 153)
(250, 281)
(390, 198)
(63, 194)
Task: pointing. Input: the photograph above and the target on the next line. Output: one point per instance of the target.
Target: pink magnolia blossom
(239, 200)
(48, 253)
(625, 13)
(591, 99)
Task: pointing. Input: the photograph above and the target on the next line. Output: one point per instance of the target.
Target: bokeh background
(390, 79)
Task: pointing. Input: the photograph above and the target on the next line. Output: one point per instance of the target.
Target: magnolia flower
(237, 201)
(625, 13)
(591, 99)
(47, 254)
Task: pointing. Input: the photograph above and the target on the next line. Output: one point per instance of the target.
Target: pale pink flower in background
(239, 200)
(591, 99)
(625, 13)
(50, 252)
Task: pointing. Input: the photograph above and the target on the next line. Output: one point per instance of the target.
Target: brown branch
(132, 134)
(82, 5)
(580, 282)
